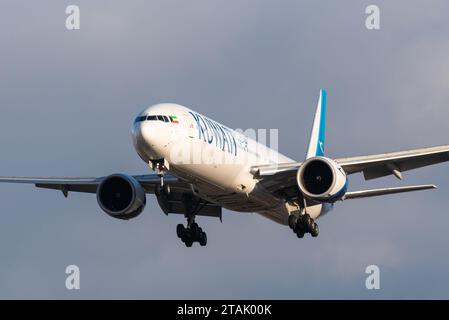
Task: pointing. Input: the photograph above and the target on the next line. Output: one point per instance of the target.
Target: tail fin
(317, 137)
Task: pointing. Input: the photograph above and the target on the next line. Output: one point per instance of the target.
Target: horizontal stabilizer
(385, 191)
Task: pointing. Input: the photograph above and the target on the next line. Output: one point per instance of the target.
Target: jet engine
(322, 179)
(121, 196)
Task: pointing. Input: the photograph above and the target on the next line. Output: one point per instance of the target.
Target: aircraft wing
(169, 203)
(281, 178)
(90, 184)
(380, 165)
(372, 166)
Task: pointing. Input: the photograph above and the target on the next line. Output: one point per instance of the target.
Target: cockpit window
(141, 118)
(153, 118)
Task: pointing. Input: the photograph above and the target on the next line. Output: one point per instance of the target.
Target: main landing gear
(192, 232)
(302, 225)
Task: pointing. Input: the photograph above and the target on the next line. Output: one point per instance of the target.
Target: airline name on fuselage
(210, 131)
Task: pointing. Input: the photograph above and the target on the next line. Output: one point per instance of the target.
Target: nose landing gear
(192, 232)
(160, 166)
(302, 225)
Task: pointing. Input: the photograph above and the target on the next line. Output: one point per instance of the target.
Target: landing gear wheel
(188, 243)
(299, 230)
(307, 222)
(180, 230)
(292, 220)
(315, 230)
(300, 234)
(203, 239)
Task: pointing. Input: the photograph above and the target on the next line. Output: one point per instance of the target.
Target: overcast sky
(68, 98)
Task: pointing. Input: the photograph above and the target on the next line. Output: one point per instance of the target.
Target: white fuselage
(215, 159)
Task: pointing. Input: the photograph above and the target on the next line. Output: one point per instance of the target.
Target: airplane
(202, 166)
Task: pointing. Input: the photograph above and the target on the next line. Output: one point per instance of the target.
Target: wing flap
(65, 188)
(385, 191)
(173, 204)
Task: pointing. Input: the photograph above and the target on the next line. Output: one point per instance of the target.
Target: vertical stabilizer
(317, 137)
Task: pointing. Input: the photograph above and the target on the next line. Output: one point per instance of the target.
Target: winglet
(317, 136)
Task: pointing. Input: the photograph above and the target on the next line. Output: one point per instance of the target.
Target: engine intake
(322, 179)
(121, 196)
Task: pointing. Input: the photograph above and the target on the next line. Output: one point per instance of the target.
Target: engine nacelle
(322, 179)
(121, 196)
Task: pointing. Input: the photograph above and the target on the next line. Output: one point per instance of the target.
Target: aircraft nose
(152, 136)
(144, 133)
(144, 139)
